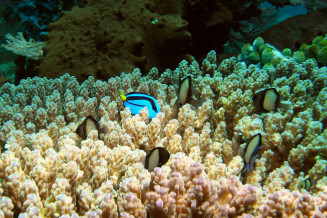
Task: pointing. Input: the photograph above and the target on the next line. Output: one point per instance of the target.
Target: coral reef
(104, 37)
(49, 171)
(107, 37)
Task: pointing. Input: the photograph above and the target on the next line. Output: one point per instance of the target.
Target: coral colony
(240, 137)
(48, 169)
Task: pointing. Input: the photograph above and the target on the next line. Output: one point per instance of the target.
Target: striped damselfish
(136, 101)
(305, 184)
(88, 125)
(252, 147)
(269, 100)
(185, 93)
(156, 157)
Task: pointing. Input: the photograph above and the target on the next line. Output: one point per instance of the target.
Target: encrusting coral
(47, 170)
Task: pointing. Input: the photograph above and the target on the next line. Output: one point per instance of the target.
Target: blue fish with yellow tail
(136, 101)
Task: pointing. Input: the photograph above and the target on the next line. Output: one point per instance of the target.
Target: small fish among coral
(87, 126)
(186, 93)
(269, 100)
(156, 157)
(253, 145)
(305, 184)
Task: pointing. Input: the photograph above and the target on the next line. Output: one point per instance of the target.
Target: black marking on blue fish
(138, 105)
(145, 97)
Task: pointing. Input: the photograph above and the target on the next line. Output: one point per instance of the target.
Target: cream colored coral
(261, 168)
(153, 132)
(204, 139)
(279, 179)
(214, 167)
(204, 113)
(186, 117)
(172, 141)
(6, 207)
(136, 128)
(249, 126)
(48, 170)
(318, 174)
(287, 204)
(190, 139)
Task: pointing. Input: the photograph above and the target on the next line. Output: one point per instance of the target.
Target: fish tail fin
(122, 96)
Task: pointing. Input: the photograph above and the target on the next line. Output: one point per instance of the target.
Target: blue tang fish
(136, 101)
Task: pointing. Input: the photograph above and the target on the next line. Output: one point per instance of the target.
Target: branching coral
(47, 170)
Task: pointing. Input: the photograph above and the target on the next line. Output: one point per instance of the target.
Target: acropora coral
(47, 170)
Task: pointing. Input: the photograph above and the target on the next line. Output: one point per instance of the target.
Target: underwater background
(153, 108)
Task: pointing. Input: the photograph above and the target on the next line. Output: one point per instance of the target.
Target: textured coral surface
(109, 37)
(48, 171)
